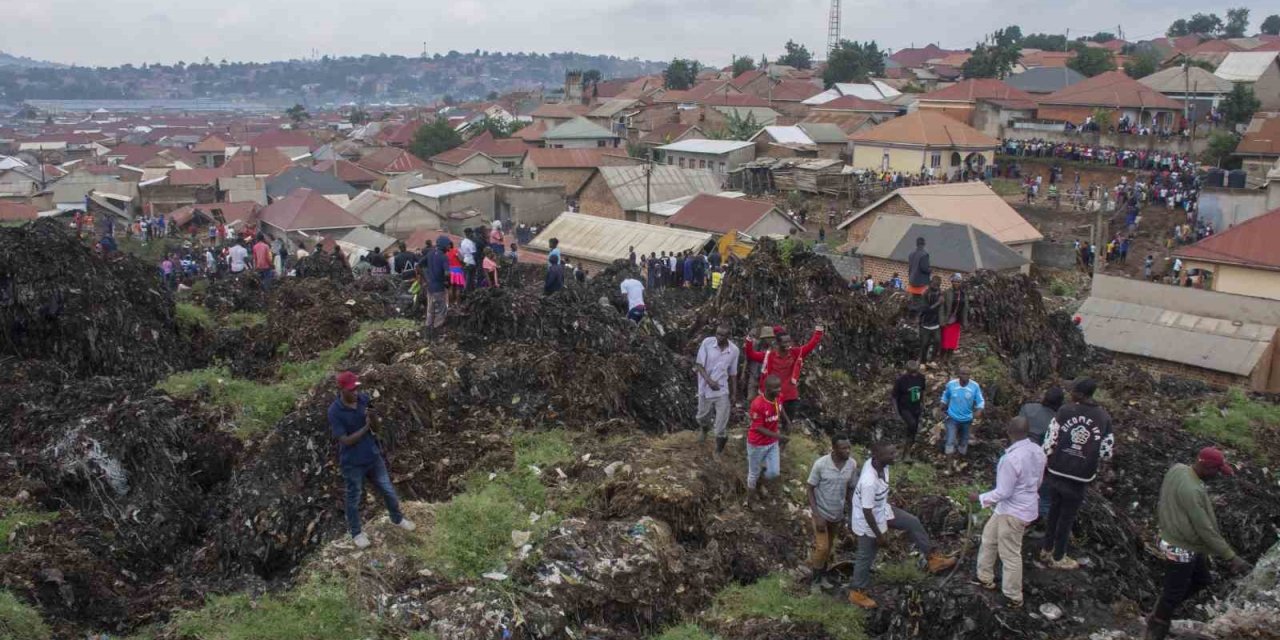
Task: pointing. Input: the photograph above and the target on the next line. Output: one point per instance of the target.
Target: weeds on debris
(1235, 423)
(772, 598)
(688, 631)
(19, 621)
(15, 518)
(316, 610)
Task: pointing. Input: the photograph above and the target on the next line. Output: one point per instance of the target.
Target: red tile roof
(231, 212)
(794, 90)
(400, 135)
(982, 89)
(1036, 58)
(212, 143)
(554, 111)
(282, 138)
(912, 57)
(497, 147)
(195, 177)
(1251, 243)
(746, 77)
(304, 210)
(854, 103)
(262, 162)
(926, 128)
(1111, 89)
(1215, 46)
(700, 91)
(734, 100)
(392, 160)
(720, 215)
(12, 211)
(665, 133)
(571, 158)
(1262, 137)
(347, 171)
(533, 132)
(456, 156)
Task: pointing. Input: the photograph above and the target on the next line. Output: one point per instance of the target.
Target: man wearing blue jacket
(435, 275)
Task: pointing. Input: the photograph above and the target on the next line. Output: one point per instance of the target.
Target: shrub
(1236, 422)
(19, 621)
(317, 610)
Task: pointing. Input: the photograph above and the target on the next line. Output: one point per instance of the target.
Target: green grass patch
(259, 405)
(542, 449)
(243, 319)
(18, 621)
(687, 631)
(1235, 423)
(192, 316)
(771, 598)
(1006, 187)
(317, 610)
(1062, 288)
(802, 451)
(919, 476)
(15, 518)
(903, 572)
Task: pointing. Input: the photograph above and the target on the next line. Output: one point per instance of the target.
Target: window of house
(935, 160)
(602, 143)
(702, 164)
(681, 163)
(721, 167)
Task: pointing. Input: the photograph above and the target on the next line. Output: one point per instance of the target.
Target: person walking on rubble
(717, 367)
(830, 485)
(555, 276)
(963, 402)
(360, 456)
(1188, 535)
(433, 273)
(1078, 443)
(954, 314)
(764, 436)
(919, 273)
(1016, 498)
(870, 519)
(786, 361)
(633, 289)
(908, 399)
(930, 310)
(764, 339)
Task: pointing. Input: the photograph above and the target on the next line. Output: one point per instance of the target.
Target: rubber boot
(720, 442)
(1156, 629)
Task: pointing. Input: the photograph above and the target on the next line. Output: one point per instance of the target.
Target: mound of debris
(60, 301)
(311, 315)
(1012, 311)
(230, 293)
(324, 266)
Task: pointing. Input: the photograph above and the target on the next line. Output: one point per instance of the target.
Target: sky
(95, 32)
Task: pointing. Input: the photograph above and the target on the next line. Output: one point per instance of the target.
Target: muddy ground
(163, 501)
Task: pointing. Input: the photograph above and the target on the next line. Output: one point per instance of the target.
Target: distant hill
(9, 60)
(363, 79)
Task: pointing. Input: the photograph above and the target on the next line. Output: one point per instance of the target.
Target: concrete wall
(571, 180)
(1243, 281)
(1078, 114)
(1174, 144)
(720, 164)
(1225, 207)
(531, 205)
(166, 198)
(1161, 368)
(412, 217)
(909, 160)
(960, 111)
(1267, 88)
(1055, 255)
(1256, 170)
(883, 270)
(588, 143)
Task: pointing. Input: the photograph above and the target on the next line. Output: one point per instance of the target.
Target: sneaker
(361, 540)
(989, 586)
(939, 563)
(1011, 603)
(1046, 556)
(406, 524)
(1067, 563)
(861, 599)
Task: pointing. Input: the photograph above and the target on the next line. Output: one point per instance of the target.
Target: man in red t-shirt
(263, 262)
(763, 435)
(785, 361)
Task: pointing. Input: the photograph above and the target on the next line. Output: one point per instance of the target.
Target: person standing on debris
(764, 436)
(786, 361)
(962, 400)
(262, 261)
(238, 257)
(765, 339)
(930, 309)
(554, 243)
(717, 367)
(1079, 442)
(908, 398)
(831, 481)
(457, 274)
(496, 239)
(555, 276)
(404, 260)
(434, 272)
(954, 315)
(1188, 535)
(467, 251)
(490, 267)
(1015, 497)
(360, 457)
(870, 519)
(1038, 416)
(633, 289)
(919, 273)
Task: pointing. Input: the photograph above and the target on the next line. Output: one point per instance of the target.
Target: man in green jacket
(1188, 534)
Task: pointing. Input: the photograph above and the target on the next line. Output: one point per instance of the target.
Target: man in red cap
(1188, 534)
(359, 456)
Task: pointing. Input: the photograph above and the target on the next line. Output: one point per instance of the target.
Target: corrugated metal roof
(792, 135)
(957, 247)
(445, 189)
(1246, 66)
(603, 240)
(367, 238)
(1179, 81)
(763, 116)
(1044, 79)
(715, 147)
(628, 184)
(1152, 332)
(578, 128)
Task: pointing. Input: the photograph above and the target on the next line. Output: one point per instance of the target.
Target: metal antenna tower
(833, 27)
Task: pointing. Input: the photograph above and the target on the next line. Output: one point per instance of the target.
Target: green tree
(499, 127)
(1237, 23)
(996, 57)
(1239, 105)
(359, 116)
(1101, 36)
(1045, 42)
(1178, 29)
(853, 62)
(737, 127)
(681, 74)
(1142, 64)
(1092, 61)
(491, 96)
(1103, 118)
(1207, 24)
(1271, 26)
(297, 113)
(797, 56)
(591, 76)
(434, 138)
(1221, 146)
(743, 64)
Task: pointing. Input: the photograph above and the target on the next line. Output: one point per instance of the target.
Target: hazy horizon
(78, 32)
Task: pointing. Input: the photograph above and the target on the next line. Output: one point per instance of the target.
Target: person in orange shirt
(262, 262)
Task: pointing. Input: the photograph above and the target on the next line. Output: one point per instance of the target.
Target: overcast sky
(96, 32)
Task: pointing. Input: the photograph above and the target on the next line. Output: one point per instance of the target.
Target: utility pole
(648, 181)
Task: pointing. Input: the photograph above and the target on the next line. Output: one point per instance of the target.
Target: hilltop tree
(359, 116)
(1271, 26)
(1221, 146)
(434, 138)
(797, 56)
(1237, 23)
(1239, 105)
(297, 113)
(1092, 61)
(1142, 64)
(1204, 24)
(853, 62)
(743, 64)
(1101, 36)
(1045, 42)
(499, 127)
(996, 57)
(681, 74)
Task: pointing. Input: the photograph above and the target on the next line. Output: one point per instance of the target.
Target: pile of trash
(229, 293)
(1012, 312)
(62, 302)
(311, 315)
(324, 266)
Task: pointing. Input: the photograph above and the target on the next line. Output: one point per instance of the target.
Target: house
(572, 167)
(532, 134)
(392, 214)
(923, 141)
(1261, 69)
(349, 172)
(554, 115)
(259, 163)
(1035, 58)
(1115, 92)
(285, 182)
(720, 215)
(1221, 339)
(873, 90)
(180, 188)
(597, 242)
(1193, 85)
(953, 248)
(363, 241)
(854, 104)
(309, 212)
(390, 161)
(970, 203)
(1243, 259)
(1260, 146)
(72, 193)
(292, 143)
(716, 117)
(509, 152)
(788, 96)
(718, 156)
(580, 133)
(243, 189)
(1044, 80)
(458, 203)
(961, 101)
(613, 115)
(670, 132)
(212, 150)
(624, 193)
(785, 142)
(913, 57)
(199, 216)
(465, 162)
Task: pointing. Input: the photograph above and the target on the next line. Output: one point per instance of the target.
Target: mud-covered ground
(165, 499)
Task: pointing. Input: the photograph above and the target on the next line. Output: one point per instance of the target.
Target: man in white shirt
(717, 369)
(467, 251)
(238, 257)
(871, 517)
(634, 290)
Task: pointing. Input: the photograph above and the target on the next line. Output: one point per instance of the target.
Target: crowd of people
(1138, 159)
